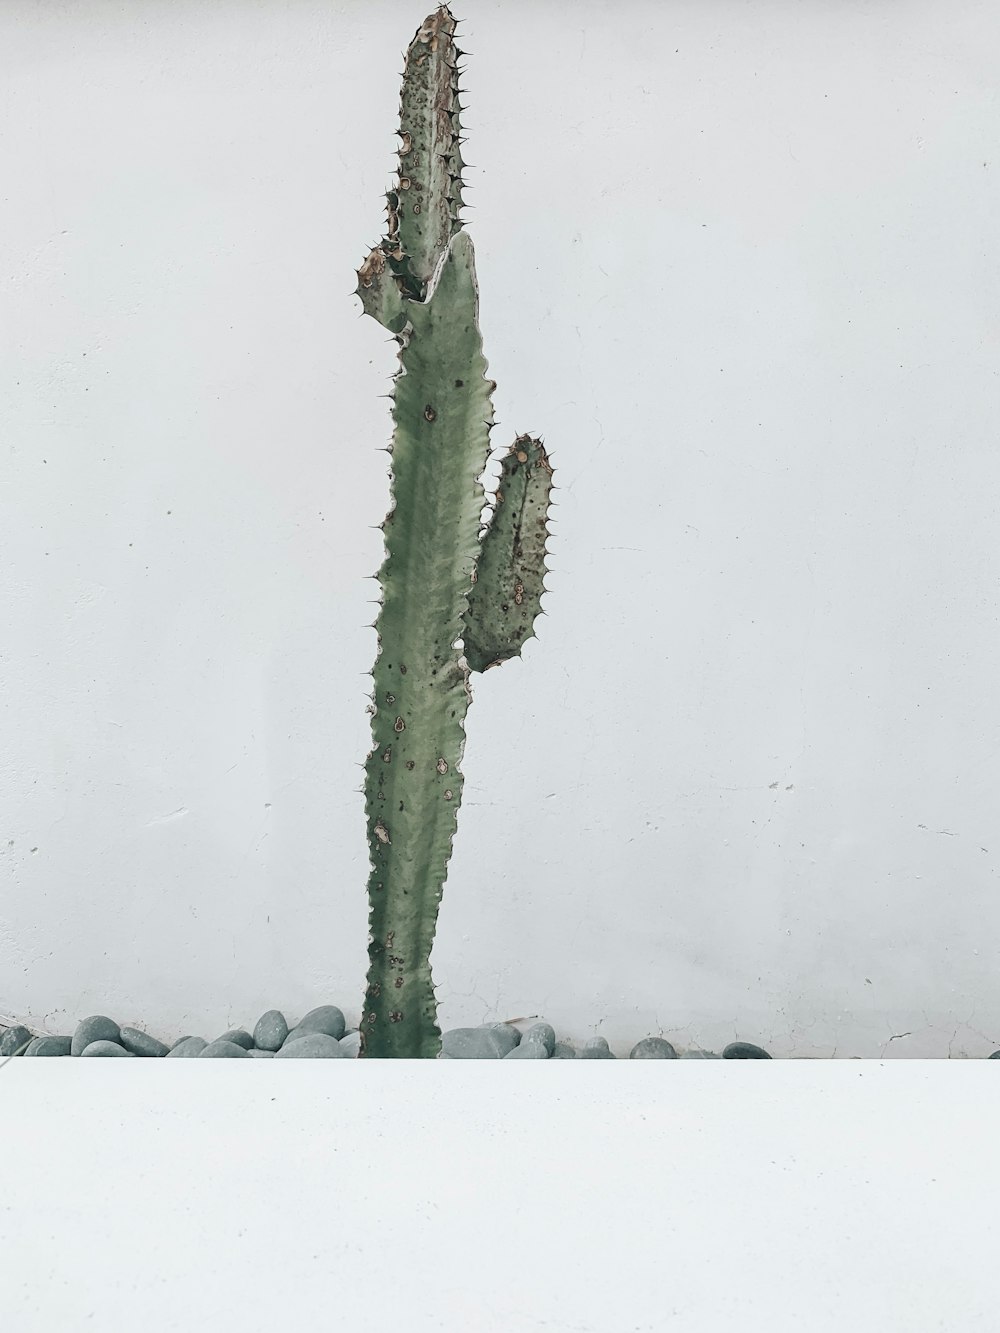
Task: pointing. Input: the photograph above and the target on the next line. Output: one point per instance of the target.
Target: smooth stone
(350, 1045)
(994, 1056)
(14, 1040)
(270, 1031)
(327, 1019)
(506, 1030)
(528, 1050)
(262, 1055)
(141, 1043)
(484, 1043)
(653, 1048)
(699, 1055)
(543, 1032)
(187, 1047)
(96, 1028)
(596, 1048)
(563, 1051)
(186, 1037)
(312, 1046)
(239, 1037)
(50, 1045)
(110, 1048)
(220, 1049)
(744, 1050)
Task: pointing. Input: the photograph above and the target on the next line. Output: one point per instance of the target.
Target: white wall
(738, 265)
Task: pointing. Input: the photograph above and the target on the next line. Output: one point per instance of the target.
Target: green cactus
(456, 596)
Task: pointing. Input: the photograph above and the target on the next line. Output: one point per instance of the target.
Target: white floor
(814, 1197)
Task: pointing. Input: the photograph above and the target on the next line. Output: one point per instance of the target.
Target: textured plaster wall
(738, 265)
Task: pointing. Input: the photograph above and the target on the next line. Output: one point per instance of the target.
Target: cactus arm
(424, 208)
(380, 293)
(440, 446)
(505, 597)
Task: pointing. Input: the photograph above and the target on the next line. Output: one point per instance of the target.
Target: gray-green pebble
(14, 1040)
(653, 1048)
(563, 1051)
(98, 1027)
(225, 1050)
(50, 1045)
(596, 1048)
(744, 1050)
(108, 1048)
(327, 1018)
(312, 1046)
(270, 1031)
(528, 1050)
(489, 1042)
(187, 1047)
(239, 1037)
(141, 1043)
(262, 1055)
(350, 1045)
(543, 1032)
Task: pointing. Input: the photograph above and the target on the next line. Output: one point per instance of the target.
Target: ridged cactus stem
(420, 283)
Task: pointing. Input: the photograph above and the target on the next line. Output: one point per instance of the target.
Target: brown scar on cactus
(457, 595)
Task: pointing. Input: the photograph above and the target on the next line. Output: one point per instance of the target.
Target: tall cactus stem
(447, 582)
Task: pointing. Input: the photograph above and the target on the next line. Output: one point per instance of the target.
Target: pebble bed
(323, 1035)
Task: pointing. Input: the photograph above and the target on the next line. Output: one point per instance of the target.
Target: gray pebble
(141, 1043)
(506, 1030)
(543, 1032)
(563, 1051)
(744, 1050)
(220, 1049)
(596, 1048)
(699, 1055)
(110, 1048)
(15, 1039)
(239, 1037)
(187, 1047)
(327, 1018)
(312, 1046)
(262, 1055)
(96, 1028)
(49, 1045)
(653, 1048)
(271, 1031)
(350, 1045)
(528, 1050)
(490, 1042)
(994, 1056)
